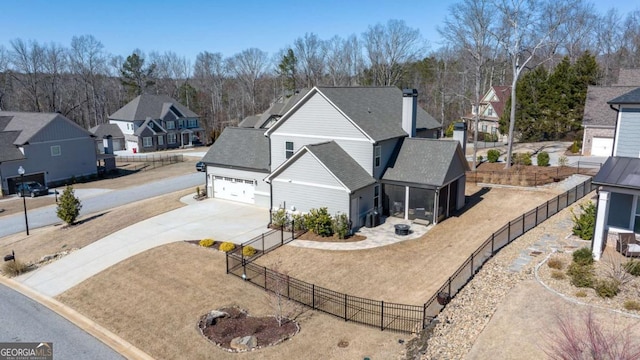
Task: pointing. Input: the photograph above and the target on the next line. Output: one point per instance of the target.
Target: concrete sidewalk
(212, 218)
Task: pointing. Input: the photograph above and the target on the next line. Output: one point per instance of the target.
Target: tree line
(486, 42)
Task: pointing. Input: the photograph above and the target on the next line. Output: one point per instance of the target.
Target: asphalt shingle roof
(343, 166)
(620, 172)
(427, 162)
(596, 110)
(244, 148)
(632, 97)
(629, 77)
(29, 123)
(103, 130)
(9, 151)
(149, 106)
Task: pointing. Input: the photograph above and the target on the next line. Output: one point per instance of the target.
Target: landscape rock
(244, 343)
(213, 315)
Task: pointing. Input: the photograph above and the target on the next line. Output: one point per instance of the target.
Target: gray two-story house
(48, 146)
(618, 180)
(157, 122)
(353, 150)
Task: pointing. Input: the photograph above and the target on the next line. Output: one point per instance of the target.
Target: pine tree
(135, 76)
(68, 206)
(287, 70)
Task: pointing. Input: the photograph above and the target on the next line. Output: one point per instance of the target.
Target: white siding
(628, 133)
(305, 197)
(307, 169)
(365, 203)
(318, 121)
(262, 191)
(123, 126)
(388, 147)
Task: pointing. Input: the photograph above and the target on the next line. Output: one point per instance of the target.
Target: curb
(110, 339)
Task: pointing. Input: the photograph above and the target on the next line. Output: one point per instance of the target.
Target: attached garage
(601, 146)
(241, 190)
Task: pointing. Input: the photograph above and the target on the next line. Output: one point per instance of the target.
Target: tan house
(491, 107)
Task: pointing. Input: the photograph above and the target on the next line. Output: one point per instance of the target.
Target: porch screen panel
(620, 210)
(394, 197)
(421, 204)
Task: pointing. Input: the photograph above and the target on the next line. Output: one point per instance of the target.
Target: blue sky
(188, 27)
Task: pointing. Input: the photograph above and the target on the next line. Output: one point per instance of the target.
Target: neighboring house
(157, 122)
(348, 149)
(599, 121)
(102, 132)
(273, 113)
(491, 107)
(49, 147)
(619, 178)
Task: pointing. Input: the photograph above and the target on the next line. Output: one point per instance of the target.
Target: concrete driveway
(212, 218)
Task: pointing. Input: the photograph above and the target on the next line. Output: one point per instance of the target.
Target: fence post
(509, 232)
(575, 197)
(537, 208)
(449, 285)
(523, 223)
(471, 258)
(262, 243)
(424, 314)
(265, 277)
(493, 238)
(227, 261)
(382, 316)
(345, 307)
(293, 225)
(313, 296)
(558, 204)
(546, 216)
(281, 234)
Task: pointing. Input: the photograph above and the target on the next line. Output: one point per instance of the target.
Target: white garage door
(601, 146)
(241, 190)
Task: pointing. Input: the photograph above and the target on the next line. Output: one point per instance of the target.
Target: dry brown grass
(155, 299)
(92, 227)
(409, 272)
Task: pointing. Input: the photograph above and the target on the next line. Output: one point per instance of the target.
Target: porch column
(406, 203)
(601, 218)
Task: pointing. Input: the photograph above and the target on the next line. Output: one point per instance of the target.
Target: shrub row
(319, 221)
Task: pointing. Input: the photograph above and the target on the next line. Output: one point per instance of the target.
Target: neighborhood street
(25, 320)
(92, 203)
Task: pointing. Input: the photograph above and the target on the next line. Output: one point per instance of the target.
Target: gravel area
(460, 323)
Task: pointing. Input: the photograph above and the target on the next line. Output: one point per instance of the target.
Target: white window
(288, 149)
(191, 123)
(170, 125)
(171, 138)
(376, 197)
(147, 141)
(55, 150)
(160, 140)
(490, 111)
(377, 153)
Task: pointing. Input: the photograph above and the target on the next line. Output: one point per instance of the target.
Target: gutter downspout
(615, 128)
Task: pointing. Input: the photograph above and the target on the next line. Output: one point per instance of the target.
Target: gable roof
(152, 125)
(103, 130)
(150, 106)
(243, 148)
(377, 111)
(427, 162)
(342, 166)
(276, 110)
(629, 98)
(628, 77)
(28, 124)
(596, 111)
(619, 172)
(249, 121)
(9, 151)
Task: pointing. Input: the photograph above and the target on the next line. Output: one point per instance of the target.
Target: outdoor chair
(627, 244)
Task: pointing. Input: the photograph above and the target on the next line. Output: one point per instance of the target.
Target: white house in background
(350, 149)
(48, 146)
(157, 122)
(619, 178)
(599, 122)
(491, 107)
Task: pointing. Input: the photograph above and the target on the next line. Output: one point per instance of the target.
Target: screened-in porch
(413, 202)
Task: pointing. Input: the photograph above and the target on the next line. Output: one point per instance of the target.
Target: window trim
(147, 141)
(170, 137)
(58, 151)
(170, 124)
(377, 156)
(376, 197)
(160, 140)
(288, 153)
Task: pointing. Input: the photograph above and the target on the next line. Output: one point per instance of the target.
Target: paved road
(45, 216)
(24, 320)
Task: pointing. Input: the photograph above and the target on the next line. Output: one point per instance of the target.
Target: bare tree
(54, 64)
(337, 61)
(525, 29)
(4, 68)
(631, 47)
(310, 53)
(389, 48)
(468, 27)
(609, 35)
(89, 61)
(27, 59)
(277, 287)
(248, 66)
(209, 73)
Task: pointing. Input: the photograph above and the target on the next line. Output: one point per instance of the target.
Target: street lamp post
(24, 201)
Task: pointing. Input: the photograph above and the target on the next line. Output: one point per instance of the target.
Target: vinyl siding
(123, 126)
(308, 170)
(388, 147)
(77, 158)
(365, 205)
(59, 129)
(262, 190)
(305, 197)
(628, 133)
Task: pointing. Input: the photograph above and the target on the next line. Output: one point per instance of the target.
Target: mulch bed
(310, 235)
(521, 175)
(239, 323)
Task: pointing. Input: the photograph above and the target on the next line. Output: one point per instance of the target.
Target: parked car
(200, 166)
(31, 188)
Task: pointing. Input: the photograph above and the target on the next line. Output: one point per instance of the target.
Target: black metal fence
(385, 315)
(148, 162)
(538, 178)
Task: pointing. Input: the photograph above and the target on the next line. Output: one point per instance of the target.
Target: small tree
(277, 287)
(68, 206)
(584, 224)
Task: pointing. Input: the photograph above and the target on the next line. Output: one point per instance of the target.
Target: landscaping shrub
(632, 267)
(581, 275)
(206, 242)
(319, 221)
(480, 158)
(493, 155)
(487, 137)
(558, 275)
(248, 251)
(68, 206)
(607, 288)
(563, 161)
(298, 221)
(278, 217)
(632, 305)
(449, 131)
(227, 246)
(584, 224)
(543, 158)
(583, 256)
(575, 147)
(521, 159)
(555, 263)
(14, 268)
(581, 293)
(341, 225)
